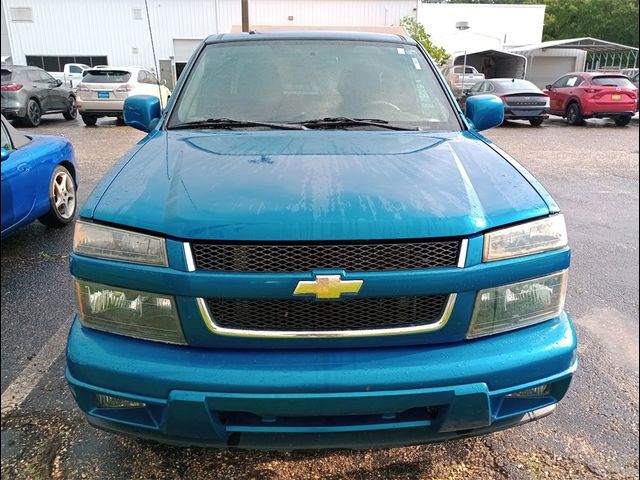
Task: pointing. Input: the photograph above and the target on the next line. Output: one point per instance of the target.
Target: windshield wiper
(328, 122)
(230, 123)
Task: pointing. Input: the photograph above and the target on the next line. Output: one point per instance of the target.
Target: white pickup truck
(459, 81)
(72, 74)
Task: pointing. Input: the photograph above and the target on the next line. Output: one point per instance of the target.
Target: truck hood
(315, 185)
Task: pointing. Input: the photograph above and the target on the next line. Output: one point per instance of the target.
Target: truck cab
(71, 74)
(314, 248)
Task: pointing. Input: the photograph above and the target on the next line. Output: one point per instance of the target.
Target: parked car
(313, 248)
(103, 90)
(39, 179)
(522, 99)
(580, 95)
(459, 81)
(30, 92)
(71, 74)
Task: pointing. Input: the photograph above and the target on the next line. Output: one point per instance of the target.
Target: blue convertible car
(39, 179)
(313, 247)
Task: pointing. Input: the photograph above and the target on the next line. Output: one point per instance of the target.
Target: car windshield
(516, 85)
(285, 81)
(611, 81)
(106, 76)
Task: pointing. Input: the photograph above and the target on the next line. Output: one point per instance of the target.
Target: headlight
(517, 305)
(533, 237)
(129, 312)
(106, 242)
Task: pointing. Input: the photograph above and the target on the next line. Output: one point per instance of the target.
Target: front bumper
(289, 399)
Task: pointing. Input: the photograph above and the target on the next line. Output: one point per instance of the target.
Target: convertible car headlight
(146, 315)
(533, 237)
(517, 305)
(115, 244)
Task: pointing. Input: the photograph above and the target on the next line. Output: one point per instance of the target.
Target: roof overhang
(588, 44)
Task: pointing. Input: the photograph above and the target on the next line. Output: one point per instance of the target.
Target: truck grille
(321, 316)
(355, 257)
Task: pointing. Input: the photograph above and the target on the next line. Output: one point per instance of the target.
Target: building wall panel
(109, 27)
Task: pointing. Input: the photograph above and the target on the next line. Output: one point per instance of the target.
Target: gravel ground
(591, 171)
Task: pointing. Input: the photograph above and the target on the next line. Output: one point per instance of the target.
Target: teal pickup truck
(314, 248)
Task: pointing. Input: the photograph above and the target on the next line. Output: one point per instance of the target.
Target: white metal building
(50, 33)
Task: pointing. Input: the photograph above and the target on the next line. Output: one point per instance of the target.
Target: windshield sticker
(416, 64)
(400, 51)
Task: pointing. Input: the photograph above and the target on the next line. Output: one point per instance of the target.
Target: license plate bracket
(615, 96)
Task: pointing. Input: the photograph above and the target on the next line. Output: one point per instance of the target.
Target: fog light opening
(543, 390)
(107, 401)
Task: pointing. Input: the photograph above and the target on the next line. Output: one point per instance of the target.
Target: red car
(581, 95)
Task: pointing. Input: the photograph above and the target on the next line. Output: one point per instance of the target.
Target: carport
(493, 63)
(549, 60)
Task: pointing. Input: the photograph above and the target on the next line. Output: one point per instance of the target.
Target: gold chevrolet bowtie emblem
(327, 287)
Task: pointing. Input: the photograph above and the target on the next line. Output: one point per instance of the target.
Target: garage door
(183, 48)
(544, 70)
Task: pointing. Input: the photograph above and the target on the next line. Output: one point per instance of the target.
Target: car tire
(536, 122)
(622, 120)
(62, 199)
(89, 120)
(574, 116)
(120, 121)
(72, 110)
(34, 114)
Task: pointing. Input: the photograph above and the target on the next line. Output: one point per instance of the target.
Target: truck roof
(310, 35)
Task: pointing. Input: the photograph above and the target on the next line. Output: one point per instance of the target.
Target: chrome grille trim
(431, 327)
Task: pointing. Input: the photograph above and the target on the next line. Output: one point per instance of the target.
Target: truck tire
(89, 120)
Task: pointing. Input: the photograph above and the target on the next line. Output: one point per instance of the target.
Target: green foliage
(417, 31)
(611, 20)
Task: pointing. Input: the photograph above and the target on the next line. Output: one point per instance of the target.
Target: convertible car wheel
(62, 198)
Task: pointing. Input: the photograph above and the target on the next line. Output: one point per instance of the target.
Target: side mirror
(548, 87)
(4, 154)
(58, 82)
(485, 111)
(163, 82)
(142, 112)
(466, 92)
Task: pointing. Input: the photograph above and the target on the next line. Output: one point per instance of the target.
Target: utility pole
(245, 15)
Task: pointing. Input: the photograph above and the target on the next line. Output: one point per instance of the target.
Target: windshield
(293, 81)
(106, 76)
(612, 82)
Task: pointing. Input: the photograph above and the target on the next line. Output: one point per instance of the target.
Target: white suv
(102, 91)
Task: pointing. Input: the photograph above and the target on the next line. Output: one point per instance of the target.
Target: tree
(417, 31)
